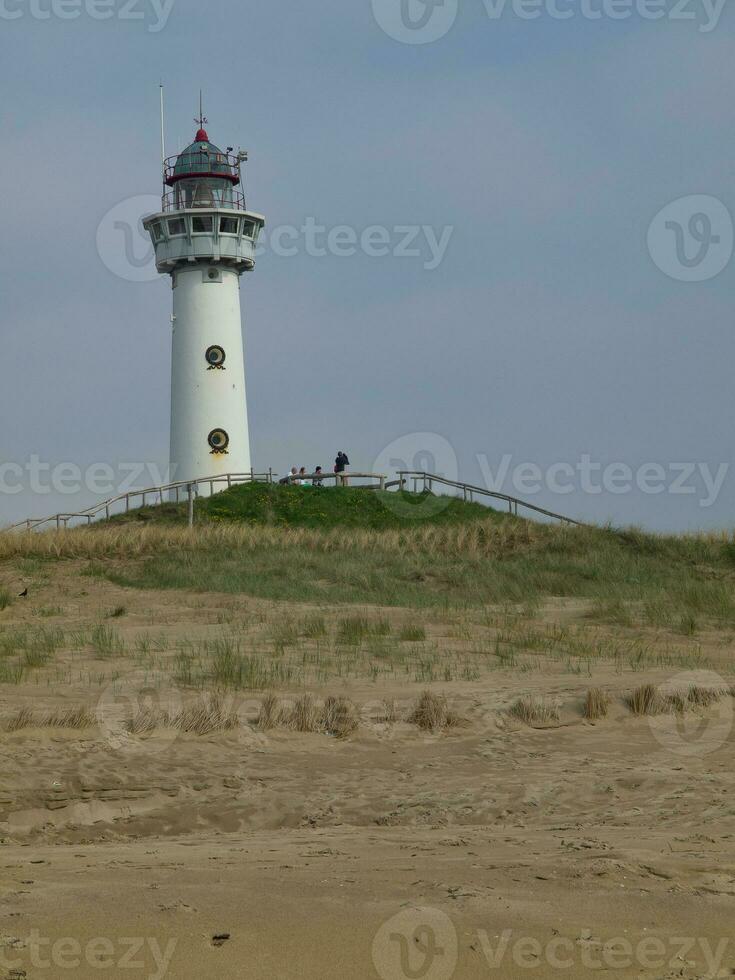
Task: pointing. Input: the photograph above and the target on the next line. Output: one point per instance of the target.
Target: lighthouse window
(228, 226)
(202, 225)
(156, 231)
(176, 226)
(248, 229)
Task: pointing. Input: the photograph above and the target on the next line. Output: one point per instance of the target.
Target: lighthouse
(204, 238)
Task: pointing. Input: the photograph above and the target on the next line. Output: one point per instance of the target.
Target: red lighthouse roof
(201, 136)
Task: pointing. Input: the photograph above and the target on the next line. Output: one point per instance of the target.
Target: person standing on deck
(340, 466)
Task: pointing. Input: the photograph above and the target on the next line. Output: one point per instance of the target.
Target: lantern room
(203, 176)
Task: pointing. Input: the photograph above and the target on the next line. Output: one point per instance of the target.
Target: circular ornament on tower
(215, 357)
(218, 441)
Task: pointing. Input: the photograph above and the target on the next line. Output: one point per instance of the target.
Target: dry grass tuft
(429, 712)
(432, 714)
(339, 717)
(535, 711)
(77, 718)
(271, 713)
(704, 697)
(23, 719)
(675, 703)
(388, 713)
(597, 704)
(144, 721)
(208, 715)
(304, 715)
(336, 716)
(645, 700)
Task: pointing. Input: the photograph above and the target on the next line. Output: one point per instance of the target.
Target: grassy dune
(629, 577)
(319, 508)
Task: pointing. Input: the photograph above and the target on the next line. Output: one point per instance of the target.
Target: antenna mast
(202, 119)
(163, 138)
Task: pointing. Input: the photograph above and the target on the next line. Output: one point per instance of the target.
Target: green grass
(354, 629)
(329, 507)
(346, 545)
(106, 642)
(12, 673)
(412, 633)
(629, 578)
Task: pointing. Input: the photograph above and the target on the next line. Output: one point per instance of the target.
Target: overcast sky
(529, 322)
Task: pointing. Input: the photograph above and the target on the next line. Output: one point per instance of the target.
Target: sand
(490, 849)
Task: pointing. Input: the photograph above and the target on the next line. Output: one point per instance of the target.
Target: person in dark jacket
(340, 465)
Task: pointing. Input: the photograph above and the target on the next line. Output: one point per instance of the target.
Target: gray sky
(546, 332)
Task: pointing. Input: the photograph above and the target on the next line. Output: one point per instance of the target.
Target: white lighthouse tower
(204, 238)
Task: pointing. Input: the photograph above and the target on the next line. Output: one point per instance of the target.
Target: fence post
(190, 490)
